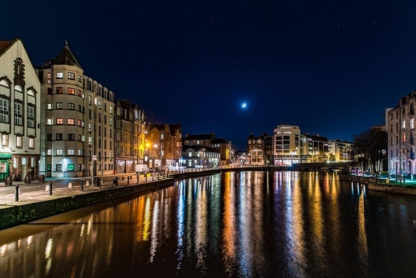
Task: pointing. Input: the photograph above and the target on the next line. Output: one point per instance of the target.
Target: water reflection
(238, 224)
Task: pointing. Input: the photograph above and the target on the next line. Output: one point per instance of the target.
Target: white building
(19, 112)
(286, 145)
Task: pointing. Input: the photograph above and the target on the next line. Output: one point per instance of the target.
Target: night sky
(330, 67)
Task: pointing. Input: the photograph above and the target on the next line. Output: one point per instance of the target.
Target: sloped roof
(66, 58)
(4, 45)
(172, 127)
(124, 103)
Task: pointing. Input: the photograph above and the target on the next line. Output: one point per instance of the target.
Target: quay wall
(23, 213)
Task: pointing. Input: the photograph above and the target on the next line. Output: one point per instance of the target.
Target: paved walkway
(39, 191)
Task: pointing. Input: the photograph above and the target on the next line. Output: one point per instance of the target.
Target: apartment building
(20, 107)
(315, 147)
(130, 134)
(400, 122)
(76, 120)
(286, 145)
(210, 140)
(163, 144)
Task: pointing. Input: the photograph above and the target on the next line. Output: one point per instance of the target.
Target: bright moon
(244, 105)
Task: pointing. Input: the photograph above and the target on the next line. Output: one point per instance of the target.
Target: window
(105, 107)
(31, 116)
(59, 121)
(19, 141)
(49, 78)
(90, 140)
(49, 152)
(71, 106)
(59, 136)
(99, 104)
(79, 152)
(70, 167)
(89, 100)
(5, 139)
(403, 124)
(71, 75)
(49, 121)
(59, 105)
(89, 127)
(412, 123)
(59, 75)
(71, 121)
(31, 143)
(59, 90)
(79, 78)
(111, 121)
(59, 152)
(18, 117)
(79, 122)
(71, 152)
(50, 106)
(71, 91)
(4, 110)
(111, 109)
(89, 113)
(58, 167)
(71, 136)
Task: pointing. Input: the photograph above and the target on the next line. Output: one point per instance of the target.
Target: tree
(370, 148)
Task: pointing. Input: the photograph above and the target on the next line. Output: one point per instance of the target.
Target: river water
(245, 224)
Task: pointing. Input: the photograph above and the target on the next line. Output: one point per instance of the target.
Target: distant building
(20, 108)
(286, 145)
(209, 140)
(163, 145)
(260, 149)
(340, 151)
(198, 156)
(315, 147)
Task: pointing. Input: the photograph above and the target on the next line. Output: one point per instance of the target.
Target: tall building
(163, 144)
(286, 145)
(20, 108)
(400, 122)
(76, 120)
(129, 136)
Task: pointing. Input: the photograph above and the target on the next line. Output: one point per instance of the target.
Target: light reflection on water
(245, 224)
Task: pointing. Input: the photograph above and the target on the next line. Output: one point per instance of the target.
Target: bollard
(82, 185)
(16, 196)
(138, 179)
(145, 175)
(70, 185)
(50, 189)
(99, 182)
(128, 180)
(153, 176)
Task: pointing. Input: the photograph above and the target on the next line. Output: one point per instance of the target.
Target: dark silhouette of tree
(370, 149)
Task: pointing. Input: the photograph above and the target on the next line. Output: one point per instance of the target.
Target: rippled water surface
(247, 224)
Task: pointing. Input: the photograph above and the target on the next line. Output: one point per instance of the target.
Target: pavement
(37, 191)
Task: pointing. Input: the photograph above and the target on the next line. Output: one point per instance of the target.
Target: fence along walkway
(36, 191)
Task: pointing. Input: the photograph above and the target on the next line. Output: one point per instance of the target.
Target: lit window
(4, 110)
(89, 100)
(412, 123)
(190, 154)
(111, 109)
(31, 143)
(50, 106)
(71, 106)
(99, 104)
(79, 122)
(59, 75)
(49, 121)
(49, 78)
(59, 121)
(18, 117)
(49, 152)
(89, 140)
(31, 116)
(59, 90)
(404, 124)
(70, 167)
(19, 141)
(71, 75)
(71, 121)
(59, 105)
(111, 121)
(89, 127)
(71, 152)
(59, 152)
(71, 91)
(5, 139)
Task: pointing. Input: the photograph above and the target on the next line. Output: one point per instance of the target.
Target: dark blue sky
(330, 67)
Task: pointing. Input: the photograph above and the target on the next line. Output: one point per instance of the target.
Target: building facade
(129, 136)
(210, 140)
(315, 147)
(20, 107)
(76, 120)
(163, 145)
(400, 122)
(286, 145)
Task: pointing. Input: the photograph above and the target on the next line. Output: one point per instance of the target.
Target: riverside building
(76, 120)
(20, 109)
